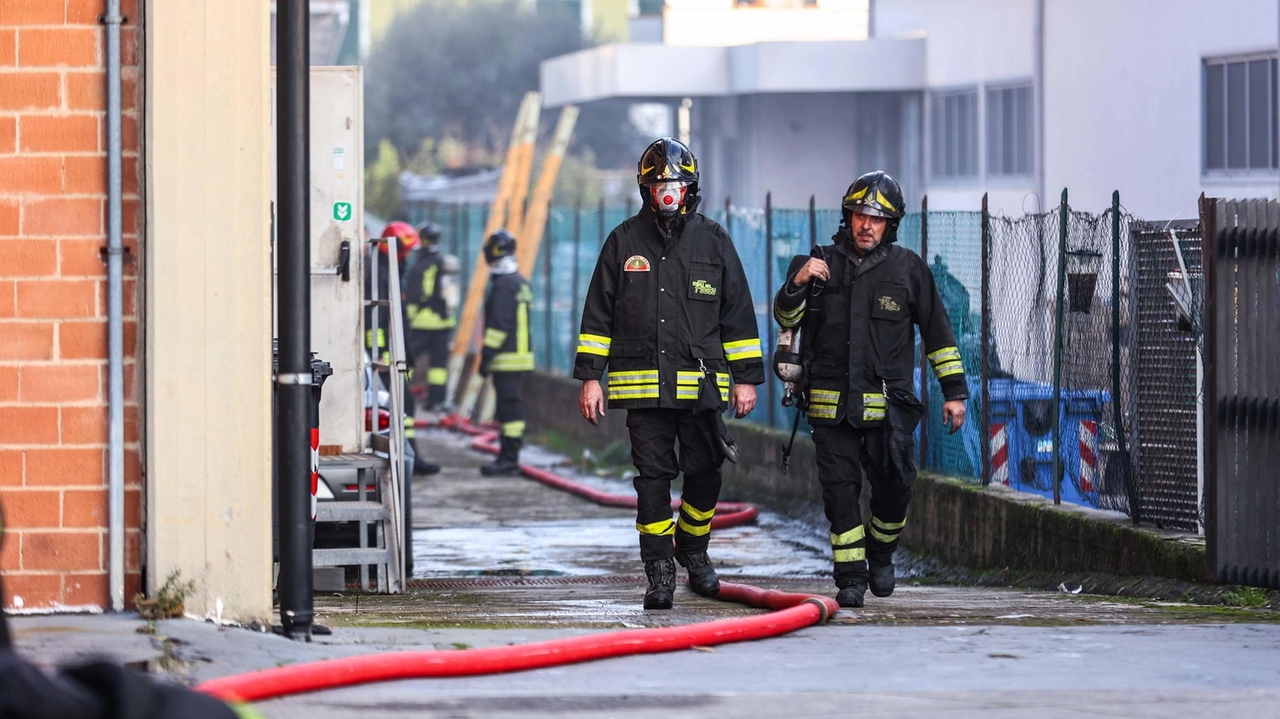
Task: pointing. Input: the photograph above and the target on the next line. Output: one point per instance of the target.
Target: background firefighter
(859, 386)
(669, 313)
(507, 355)
(431, 299)
(406, 242)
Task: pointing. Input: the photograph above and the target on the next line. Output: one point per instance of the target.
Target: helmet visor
(668, 197)
(870, 209)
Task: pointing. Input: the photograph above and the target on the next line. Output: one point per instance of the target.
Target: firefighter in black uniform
(431, 318)
(861, 349)
(405, 242)
(507, 355)
(670, 314)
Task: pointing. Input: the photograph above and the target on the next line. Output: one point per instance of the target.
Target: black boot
(702, 576)
(881, 580)
(851, 596)
(508, 461)
(662, 583)
(422, 467)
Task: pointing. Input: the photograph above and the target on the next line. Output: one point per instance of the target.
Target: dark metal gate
(1242, 389)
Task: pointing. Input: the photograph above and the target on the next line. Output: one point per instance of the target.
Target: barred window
(954, 134)
(1010, 138)
(1240, 123)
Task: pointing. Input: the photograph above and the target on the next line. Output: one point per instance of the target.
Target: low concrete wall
(977, 527)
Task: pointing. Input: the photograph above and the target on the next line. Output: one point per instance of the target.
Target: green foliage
(170, 599)
(449, 76)
(382, 182)
(1252, 597)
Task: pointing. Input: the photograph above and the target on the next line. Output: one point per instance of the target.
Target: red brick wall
(53, 302)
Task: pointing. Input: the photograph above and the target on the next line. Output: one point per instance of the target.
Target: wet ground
(502, 561)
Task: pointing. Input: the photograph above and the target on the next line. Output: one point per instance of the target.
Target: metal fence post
(728, 218)
(1130, 481)
(1057, 349)
(924, 358)
(431, 210)
(462, 244)
(546, 284)
(574, 317)
(985, 346)
(1211, 255)
(768, 292)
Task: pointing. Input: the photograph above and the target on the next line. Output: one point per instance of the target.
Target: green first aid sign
(342, 211)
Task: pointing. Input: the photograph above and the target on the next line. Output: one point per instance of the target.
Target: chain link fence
(1126, 385)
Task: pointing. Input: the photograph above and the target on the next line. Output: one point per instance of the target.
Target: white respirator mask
(668, 197)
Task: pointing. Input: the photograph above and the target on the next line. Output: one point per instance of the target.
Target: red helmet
(406, 236)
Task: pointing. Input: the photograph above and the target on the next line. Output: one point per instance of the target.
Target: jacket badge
(636, 263)
(703, 287)
(887, 303)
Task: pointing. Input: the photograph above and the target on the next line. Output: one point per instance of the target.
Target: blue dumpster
(1022, 438)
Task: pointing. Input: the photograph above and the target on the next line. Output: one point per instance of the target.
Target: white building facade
(1159, 99)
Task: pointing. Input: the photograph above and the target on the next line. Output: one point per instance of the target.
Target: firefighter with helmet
(430, 280)
(405, 239)
(857, 300)
(669, 314)
(507, 355)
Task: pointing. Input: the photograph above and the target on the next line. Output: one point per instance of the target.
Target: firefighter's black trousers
(844, 453)
(654, 434)
(434, 346)
(509, 405)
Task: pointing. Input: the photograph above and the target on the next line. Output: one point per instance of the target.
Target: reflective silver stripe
(634, 376)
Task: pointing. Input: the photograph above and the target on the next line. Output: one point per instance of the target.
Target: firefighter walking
(506, 355)
(860, 361)
(431, 292)
(669, 314)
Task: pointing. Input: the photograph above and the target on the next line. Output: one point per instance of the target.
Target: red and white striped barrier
(1088, 454)
(999, 454)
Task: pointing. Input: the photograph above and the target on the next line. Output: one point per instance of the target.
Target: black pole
(768, 292)
(293, 378)
(728, 218)
(1057, 349)
(546, 283)
(985, 345)
(924, 353)
(577, 270)
(462, 238)
(813, 221)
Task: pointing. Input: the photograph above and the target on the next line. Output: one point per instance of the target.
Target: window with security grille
(1240, 118)
(954, 134)
(1010, 139)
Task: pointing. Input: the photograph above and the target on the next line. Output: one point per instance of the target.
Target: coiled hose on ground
(790, 612)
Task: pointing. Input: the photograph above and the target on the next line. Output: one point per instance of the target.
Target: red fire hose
(791, 612)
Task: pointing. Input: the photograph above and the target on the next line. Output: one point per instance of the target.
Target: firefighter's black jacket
(424, 303)
(658, 304)
(865, 331)
(506, 325)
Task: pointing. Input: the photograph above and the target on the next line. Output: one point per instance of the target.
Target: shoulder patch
(637, 263)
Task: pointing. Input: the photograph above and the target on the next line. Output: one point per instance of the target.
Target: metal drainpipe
(115, 317)
(1039, 90)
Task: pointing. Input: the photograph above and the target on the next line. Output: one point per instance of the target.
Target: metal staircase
(385, 462)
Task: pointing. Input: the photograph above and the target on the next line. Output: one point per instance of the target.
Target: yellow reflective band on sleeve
(664, 528)
(792, 315)
(722, 379)
(824, 396)
(697, 530)
(887, 526)
(513, 429)
(856, 554)
(594, 344)
(946, 369)
(437, 375)
(522, 325)
(494, 338)
(822, 411)
(639, 376)
(849, 537)
(944, 354)
(742, 349)
(382, 338)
